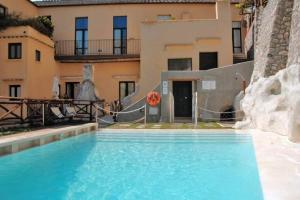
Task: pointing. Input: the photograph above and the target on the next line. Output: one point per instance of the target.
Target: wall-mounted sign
(165, 87)
(153, 111)
(209, 85)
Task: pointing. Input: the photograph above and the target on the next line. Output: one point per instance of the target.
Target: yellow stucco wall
(106, 76)
(20, 7)
(101, 17)
(195, 28)
(184, 39)
(34, 77)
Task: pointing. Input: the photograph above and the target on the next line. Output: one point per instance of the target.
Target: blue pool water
(135, 166)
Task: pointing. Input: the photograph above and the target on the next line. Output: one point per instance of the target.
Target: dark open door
(182, 91)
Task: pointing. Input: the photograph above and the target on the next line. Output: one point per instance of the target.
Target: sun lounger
(57, 113)
(70, 111)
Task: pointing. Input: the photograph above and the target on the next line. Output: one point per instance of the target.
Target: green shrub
(41, 24)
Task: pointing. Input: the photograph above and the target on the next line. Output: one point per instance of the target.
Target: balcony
(104, 49)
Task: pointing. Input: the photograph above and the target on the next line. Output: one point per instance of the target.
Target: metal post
(244, 86)
(196, 109)
(96, 117)
(91, 111)
(43, 113)
(22, 118)
(170, 108)
(145, 115)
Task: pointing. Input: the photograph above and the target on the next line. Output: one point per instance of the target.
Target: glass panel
(76, 89)
(124, 41)
(237, 50)
(183, 64)
(117, 37)
(2, 11)
(79, 37)
(164, 17)
(120, 22)
(81, 23)
(18, 91)
(236, 24)
(12, 91)
(237, 38)
(208, 60)
(18, 49)
(117, 50)
(69, 90)
(85, 39)
(122, 90)
(131, 88)
(12, 51)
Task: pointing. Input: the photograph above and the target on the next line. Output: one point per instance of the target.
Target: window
(180, 64)
(37, 55)
(72, 90)
(120, 35)
(236, 37)
(164, 17)
(2, 11)
(15, 91)
(14, 51)
(126, 88)
(208, 60)
(81, 35)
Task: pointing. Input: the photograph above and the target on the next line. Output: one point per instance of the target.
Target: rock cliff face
(272, 100)
(272, 42)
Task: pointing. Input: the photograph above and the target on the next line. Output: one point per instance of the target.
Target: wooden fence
(39, 112)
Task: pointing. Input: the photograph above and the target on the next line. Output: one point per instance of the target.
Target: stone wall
(272, 100)
(272, 42)
(294, 49)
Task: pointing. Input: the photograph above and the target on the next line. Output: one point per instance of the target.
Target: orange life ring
(153, 98)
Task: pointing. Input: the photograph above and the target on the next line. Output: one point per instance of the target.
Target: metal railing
(103, 47)
(37, 112)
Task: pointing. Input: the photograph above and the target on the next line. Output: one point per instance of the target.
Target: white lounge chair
(70, 111)
(57, 113)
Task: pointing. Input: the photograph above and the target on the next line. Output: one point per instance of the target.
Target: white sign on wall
(153, 110)
(209, 85)
(165, 87)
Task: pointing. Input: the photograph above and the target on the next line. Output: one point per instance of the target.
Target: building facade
(129, 44)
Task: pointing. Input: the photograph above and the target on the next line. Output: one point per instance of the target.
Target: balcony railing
(106, 48)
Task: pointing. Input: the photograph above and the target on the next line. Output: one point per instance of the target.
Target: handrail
(32, 99)
(101, 47)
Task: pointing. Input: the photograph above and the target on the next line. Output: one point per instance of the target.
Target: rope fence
(123, 112)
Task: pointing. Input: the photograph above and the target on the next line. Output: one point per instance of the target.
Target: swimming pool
(135, 166)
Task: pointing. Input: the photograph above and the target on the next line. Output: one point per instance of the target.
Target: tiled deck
(21, 141)
(279, 165)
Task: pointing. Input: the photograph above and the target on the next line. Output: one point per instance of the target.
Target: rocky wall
(272, 42)
(272, 100)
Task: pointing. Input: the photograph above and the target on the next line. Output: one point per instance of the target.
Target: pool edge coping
(22, 141)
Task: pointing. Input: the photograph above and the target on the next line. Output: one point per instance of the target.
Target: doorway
(182, 91)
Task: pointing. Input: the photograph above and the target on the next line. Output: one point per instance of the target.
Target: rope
(135, 121)
(131, 111)
(107, 122)
(212, 111)
(224, 119)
